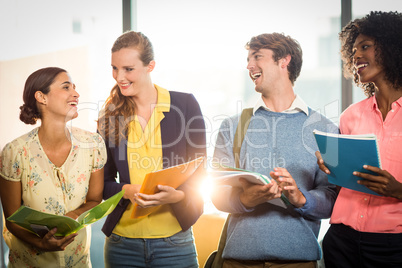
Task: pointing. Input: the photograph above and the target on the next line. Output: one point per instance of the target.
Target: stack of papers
(230, 176)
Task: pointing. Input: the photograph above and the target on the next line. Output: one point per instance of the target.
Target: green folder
(40, 222)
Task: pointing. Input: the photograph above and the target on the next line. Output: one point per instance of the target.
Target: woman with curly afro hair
(366, 230)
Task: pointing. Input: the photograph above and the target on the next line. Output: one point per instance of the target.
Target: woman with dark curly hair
(366, 230)
(54, 169)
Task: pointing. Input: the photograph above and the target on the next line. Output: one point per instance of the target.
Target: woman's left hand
(383, 183)
(166, 195)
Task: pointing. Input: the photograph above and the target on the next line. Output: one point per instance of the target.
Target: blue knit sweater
(269, 232)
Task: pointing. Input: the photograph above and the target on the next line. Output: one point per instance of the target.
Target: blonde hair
(119, 109)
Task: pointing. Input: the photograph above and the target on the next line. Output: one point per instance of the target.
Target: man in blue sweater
(279, 142)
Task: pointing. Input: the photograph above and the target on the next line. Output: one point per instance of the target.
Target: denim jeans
(175, 251)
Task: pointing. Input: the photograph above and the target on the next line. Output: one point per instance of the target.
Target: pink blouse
(365, 212)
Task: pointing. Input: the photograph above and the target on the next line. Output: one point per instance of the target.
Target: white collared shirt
(298, 105)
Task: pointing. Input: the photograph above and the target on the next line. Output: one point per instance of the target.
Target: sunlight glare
(206, 189)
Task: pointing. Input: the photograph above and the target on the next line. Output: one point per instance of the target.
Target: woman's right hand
(320, 163)
(51, 243)
(130, 190)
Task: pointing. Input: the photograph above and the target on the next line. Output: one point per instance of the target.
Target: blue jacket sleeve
(191, 207)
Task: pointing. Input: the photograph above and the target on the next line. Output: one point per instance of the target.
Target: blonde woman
(148, 128)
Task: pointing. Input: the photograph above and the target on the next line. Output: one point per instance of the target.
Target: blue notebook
(343, 154)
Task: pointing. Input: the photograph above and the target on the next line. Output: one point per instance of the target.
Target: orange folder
(172, 176)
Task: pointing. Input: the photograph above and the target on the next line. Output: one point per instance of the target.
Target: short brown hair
(281, 46)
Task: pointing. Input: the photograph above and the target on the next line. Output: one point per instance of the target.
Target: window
(74, 35)
(199, 48)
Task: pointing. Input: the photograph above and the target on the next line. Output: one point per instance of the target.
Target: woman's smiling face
(129, 71)
(364, 59)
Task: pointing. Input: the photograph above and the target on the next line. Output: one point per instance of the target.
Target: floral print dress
(52, 189)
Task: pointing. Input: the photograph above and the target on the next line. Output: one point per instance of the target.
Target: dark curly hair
(39, 80)
(386, 30)
(281, 46)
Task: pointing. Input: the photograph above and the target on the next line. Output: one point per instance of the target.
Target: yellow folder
(172, 176)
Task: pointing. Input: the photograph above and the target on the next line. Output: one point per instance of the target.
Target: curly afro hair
(386, 30)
